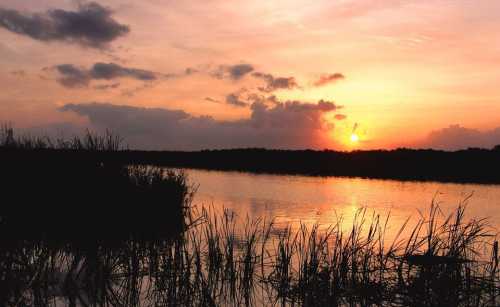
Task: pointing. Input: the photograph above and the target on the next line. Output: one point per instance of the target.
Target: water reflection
(234, 262)
(309, 200)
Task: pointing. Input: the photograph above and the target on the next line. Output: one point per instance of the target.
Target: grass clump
(78, 190)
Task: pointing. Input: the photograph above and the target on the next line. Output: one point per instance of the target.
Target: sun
(354, 138)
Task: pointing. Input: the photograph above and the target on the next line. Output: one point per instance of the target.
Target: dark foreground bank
(76, 190)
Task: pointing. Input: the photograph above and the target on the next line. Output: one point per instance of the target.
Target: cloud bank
(457, 137)
(290, 124)
(91, 25)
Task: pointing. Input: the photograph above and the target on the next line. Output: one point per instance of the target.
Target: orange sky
(409, 67)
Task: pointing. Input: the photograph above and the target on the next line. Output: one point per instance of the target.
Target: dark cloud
(238, 71)
(275, 83)
(234, 72)
(290, 124)
(111, 71)
(457, 137)
(326, 79)
(234, 99)
(91, 25)
(73, 76)
(244, 97)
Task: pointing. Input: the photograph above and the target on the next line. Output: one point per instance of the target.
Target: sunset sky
(279, 74)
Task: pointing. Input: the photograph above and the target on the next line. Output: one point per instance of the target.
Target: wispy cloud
(73, 76)
(328, 78)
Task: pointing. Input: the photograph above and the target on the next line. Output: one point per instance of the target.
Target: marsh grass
(222, 259)
(81, 229)
(76, 190)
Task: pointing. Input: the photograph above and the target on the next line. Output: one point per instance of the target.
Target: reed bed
(81, 229)
(224, 260)
(77, 190)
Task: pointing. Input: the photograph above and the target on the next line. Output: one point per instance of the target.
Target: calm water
(309, 200)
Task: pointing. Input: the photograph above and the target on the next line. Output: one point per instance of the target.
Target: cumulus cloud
(234, 72)
(290, 124)
(456, 137)
(329, 78)
(275, 83)
(73, 76)
(91, 25)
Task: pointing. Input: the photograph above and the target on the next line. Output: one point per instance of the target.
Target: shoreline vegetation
(75, 189)
(473, 165)
(446, 261)
(80, 227)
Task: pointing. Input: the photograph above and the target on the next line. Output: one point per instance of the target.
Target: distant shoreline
(480, 166)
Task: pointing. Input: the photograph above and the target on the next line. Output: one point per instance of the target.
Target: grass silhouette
(80, 226)
(223, 260)
(77, 190)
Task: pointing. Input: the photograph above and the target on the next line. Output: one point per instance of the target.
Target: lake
(309, 200)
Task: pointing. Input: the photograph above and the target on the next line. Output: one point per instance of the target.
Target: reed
(445, 261)
(113, 234)
(78, 190)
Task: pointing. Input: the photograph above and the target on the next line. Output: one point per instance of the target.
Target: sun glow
(354, 138)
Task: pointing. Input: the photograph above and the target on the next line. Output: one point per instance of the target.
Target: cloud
(111, 71)
(275, 83)
(91, 25)
(456, 137)
(330, 78)
(290, 124)
(244, 98)
(238, 71)
(73, 76)
(234, 72)
(234, 99)
(103, 87)
(212, 100)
